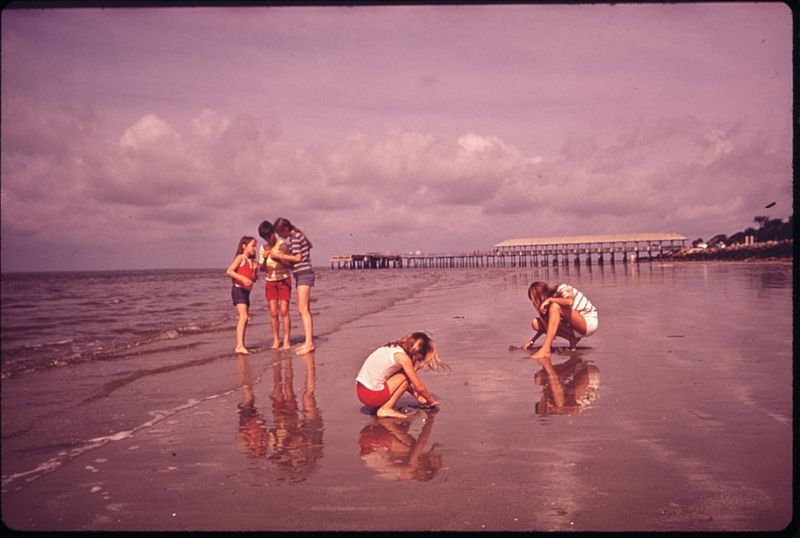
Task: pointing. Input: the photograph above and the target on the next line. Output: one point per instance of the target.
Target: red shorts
(280, 290)
(373, 398)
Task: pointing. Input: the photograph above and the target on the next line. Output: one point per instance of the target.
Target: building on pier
(601, 248)
(544, 251)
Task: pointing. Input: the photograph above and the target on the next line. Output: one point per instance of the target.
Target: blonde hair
(420, 347)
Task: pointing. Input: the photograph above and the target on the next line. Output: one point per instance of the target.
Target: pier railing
(544, 256)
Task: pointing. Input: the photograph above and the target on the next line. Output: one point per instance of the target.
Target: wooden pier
(529, 252)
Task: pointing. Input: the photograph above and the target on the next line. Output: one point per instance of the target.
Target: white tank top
(379, 367)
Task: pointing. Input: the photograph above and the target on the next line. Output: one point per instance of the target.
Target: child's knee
(536, 325)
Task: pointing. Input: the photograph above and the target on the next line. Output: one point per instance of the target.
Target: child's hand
(545, 305)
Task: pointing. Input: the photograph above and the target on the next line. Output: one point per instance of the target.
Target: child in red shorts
(278, 284)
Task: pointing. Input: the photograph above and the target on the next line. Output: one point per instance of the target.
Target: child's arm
(529, 344)
(411, 373)
(231, 272)
(287, 257)
(293, 257)
(563, 301)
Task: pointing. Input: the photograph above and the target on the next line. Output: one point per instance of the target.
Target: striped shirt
(580, 303)
(298, 244)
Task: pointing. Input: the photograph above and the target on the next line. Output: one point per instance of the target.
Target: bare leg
(398, 384)
(287, 324)
(273, 317)
(241, 327)
(304, 307)
(553, 322)
(576, 325)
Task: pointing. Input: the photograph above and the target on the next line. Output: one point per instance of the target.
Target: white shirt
(379, 366)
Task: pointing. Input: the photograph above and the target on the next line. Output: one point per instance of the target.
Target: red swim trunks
(373, 398)
(280, 290)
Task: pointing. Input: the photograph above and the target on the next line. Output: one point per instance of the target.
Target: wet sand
(668, 424)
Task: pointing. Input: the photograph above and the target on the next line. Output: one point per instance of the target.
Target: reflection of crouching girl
(391, 370)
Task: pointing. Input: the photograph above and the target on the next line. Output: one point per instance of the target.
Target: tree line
(768, 230)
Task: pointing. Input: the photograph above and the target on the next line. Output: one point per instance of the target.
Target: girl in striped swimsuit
(563, 311)
(300, 258)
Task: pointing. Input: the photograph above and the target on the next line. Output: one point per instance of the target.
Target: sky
(156, 138)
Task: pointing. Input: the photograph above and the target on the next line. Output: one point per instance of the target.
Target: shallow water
(677, 413)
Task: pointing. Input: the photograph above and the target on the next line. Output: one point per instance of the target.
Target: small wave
(64, 457)
(102, 302)
(53, 357)
(46, 344)
(170, 334)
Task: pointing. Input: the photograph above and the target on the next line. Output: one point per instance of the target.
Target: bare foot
(573, 345)
(390, 413)
(275, 344)
(302, 350)
(541, 354)
(242, 350)
(287, 345)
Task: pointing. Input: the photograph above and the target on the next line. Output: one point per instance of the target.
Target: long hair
(539, 291)
(420, 347)
(243, 243)
(267, 232)
(284, 224)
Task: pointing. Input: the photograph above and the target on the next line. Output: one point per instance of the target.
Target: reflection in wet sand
(567, 388)
(252, 434)
(292, 443)
(388, 448)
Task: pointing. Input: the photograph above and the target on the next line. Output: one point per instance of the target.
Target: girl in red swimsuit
(243, 271)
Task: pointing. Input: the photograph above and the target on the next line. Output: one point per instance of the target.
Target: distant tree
(761, 220)
(717, 239)
(738, 237)
(787, 229)
(770, 229)
(696, 242)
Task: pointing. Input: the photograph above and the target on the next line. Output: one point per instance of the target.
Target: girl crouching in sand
(243, 271)
(391, 370)
(563, 311)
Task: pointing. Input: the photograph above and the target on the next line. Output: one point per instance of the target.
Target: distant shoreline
(770, 250)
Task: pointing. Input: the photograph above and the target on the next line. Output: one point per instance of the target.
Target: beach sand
(665, 435)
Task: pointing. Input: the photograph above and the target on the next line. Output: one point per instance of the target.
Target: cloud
(149, 132)
(157, 183)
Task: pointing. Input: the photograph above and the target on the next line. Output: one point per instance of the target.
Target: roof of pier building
(584, 239)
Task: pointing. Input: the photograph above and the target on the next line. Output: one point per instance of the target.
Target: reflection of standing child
(563, 311)
(391, 370)
(243, 271)
(278, 283)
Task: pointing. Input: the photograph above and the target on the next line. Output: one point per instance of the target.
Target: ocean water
(53, 320)
(122, 398)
